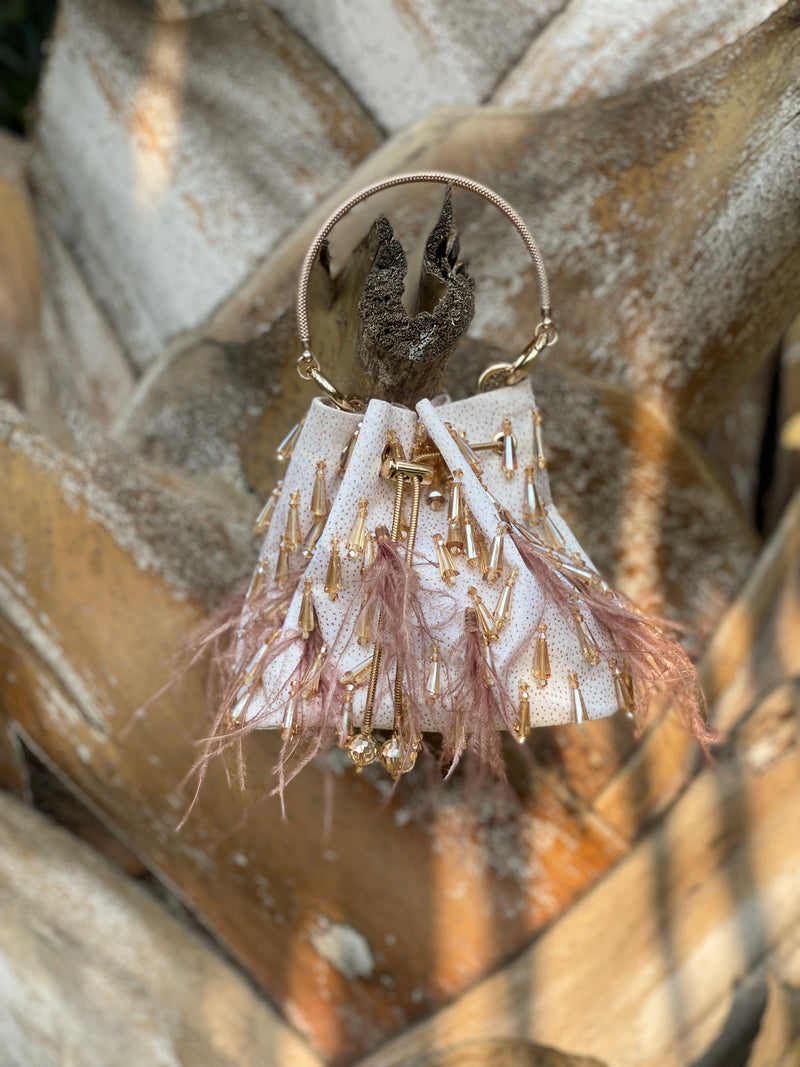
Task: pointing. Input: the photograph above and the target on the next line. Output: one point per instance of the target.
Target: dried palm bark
(129, 540)
(166, 995)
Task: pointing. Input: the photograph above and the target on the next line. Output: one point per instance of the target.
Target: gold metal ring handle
(500, 373)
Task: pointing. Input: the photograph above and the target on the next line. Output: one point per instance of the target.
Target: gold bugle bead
(447, 566)
(434, 680)
(534, 510)
(483, 553)
(589, 646)
(488, 671)
(485, 617)
(252, 666)
(333, 578)
(495, 565)
(259, 579)
(282, 570)
(265, 516)
(347, 451)
(509, 450)
(435, 492)
(346, 727)
(552, 534)
(522, 727)
(471, 550)
(357, 540)
(369, 551)
(315, 531)
(358, 675)
(541, 666)
(455, 506)
(320, 505)
(538, 448)
(456, 539)
(466, 449)
(579, 711)
(307, 618)
(502, 612)
(310, 682)
(286, 447)
(235, 716)
(624, 691)
(364, 624)
(290, 724)
(292, 535)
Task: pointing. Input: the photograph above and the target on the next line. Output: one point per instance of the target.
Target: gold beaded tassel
(522, 726)
(623, 690)
(579, 711)
(534, 510)
(290, 542)
(259, 579)
(333, 578)
(282, 569)
(309, 684)
(447, 565)
(466, 449)
(551, 533)
(539, 458)
(502, 613)
(315, 531)
(456, 540)
(347, 451)
(425, 451)
(292, 535)
(435, 490)
(358, 675)
(320, 508)
(364, 624)
(541, 661)
(346, 732)
(356, 542)
(495, 566)
(369, 552)
(307, 617)
(286, 447)
(589, 647)
(509, 444)
(265, 516)
(433, 683)
(290, 724)
(485, 617)
(471, 550)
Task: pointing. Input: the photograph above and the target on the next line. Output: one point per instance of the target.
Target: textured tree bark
(410, 326)
(388, 324)
(78, 934)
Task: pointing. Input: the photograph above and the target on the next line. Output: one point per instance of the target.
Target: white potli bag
(415, 578)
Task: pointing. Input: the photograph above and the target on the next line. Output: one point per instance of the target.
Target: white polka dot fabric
(325, 433)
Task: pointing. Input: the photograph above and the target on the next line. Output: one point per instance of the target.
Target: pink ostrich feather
(395, 596)
(476, 699)
(636, 642)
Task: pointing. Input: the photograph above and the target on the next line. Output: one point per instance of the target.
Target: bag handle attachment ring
(497, 374)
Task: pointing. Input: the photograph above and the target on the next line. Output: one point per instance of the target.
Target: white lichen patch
(344, 948)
